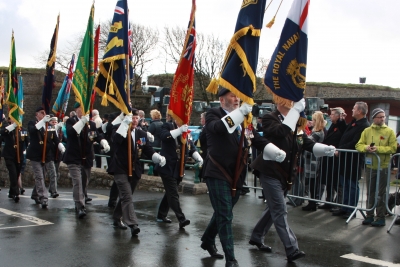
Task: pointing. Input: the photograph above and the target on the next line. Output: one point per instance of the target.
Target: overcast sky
(347, 39)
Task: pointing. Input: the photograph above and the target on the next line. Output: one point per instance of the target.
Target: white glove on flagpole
(177, 132)
(42, 122)
(118, 119)
(11, 127)
(124, 126)
(78, 126)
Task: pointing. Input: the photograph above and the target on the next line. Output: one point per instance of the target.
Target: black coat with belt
(79, 149)
(10, 148)
(139, 147)
(170, 149)
(223, 147)
(34, 151)
(282, 136)
(350, 165)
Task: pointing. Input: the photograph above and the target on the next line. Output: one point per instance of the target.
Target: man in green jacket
(379, 139)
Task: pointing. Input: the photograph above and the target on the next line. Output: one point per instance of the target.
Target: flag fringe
(213, 86)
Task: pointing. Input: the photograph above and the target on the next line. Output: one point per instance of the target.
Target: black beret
(222, 92)
(39, 109)
(135, 112)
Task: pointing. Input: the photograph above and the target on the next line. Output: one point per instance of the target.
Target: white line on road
(355, 257)
(29, 218)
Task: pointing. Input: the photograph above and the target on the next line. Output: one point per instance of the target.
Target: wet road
(31, 236)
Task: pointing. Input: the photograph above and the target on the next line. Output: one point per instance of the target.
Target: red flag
(181, 99)
(95, 64)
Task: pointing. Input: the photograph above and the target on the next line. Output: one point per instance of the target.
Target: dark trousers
(113, 193)
(97, 150)
(170, 199)
(220, 194)
(351, 193)
(14, 169)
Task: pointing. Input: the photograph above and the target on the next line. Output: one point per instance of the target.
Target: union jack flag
(191, 45)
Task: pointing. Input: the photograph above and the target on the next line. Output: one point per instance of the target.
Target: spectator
(380, 139)
(350, 166)
(155, 127)
(328, 167)
(143, 124)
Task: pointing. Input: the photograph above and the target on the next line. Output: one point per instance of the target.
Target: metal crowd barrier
(318, 180)
(392, 190)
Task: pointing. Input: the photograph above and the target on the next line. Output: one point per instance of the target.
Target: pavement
(32, 236)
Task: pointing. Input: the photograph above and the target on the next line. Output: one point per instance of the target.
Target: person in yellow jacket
(379, 139)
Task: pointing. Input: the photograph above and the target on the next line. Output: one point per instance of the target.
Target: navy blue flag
(49, 77)
(238, 73)
(112, 78)
(286, 73)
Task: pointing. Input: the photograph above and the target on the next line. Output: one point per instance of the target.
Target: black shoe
(212, 250)
(119, 224)
(81, 213)
(310, 207)
(164, 219)
(54, 195)
(233, 263)
(338, 213)
(183, 223)
(260, 246)
(134, 230)
(397, 221)
(16, 199)
(22, 190)
(10, 196)
(296, 255)
(44, 205)
(325, 207)
(37, 201)
(112, 204)
(87, 199)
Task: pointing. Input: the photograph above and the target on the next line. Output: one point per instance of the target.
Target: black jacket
(140, 146)
(155, 130)
(79, 149)
(170, 150)
(351, 165)
(35, 149)
(223, 147)
(282, 136)
(10, 149)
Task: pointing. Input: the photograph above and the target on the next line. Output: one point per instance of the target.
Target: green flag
(84, 73)
(14, 110)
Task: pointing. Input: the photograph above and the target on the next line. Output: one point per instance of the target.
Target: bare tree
(208, 57)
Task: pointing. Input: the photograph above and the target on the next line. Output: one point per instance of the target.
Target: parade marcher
(223, 138)
(55, 159)
(9, 153)
(380, 139)
(97, 149)
(276, 178)
(37, 135)
(119, 168)
(79, 155)
(171, 146)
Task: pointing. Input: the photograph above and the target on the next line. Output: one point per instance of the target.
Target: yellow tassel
(111, 89)
(213, 87)
(269, 25)
(104, 101)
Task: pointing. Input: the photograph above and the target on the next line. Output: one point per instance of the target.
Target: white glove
(321, 150)
(61, 147)
(11, 127)
(245, 108)
(105, 145)
(42, 122)
(118, 119)
(300, 105)
(85, 118)
(150, 137)
(59, 125)
(177, 132)
(291, 118)
(124, 126)
(157, 158)
(272, 152)
(104, 127)
(196, 156)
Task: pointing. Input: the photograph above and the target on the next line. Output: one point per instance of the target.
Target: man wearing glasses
(379, 139)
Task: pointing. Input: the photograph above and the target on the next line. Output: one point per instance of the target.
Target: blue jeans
(351, 193)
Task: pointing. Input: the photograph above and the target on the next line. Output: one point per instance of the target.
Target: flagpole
(237, 167)
(183, 148)
(17, 140)
(128, 96)
(44, 144)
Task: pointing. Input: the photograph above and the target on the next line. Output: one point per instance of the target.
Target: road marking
(29, 218)
(355, 257)
(68, 196)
